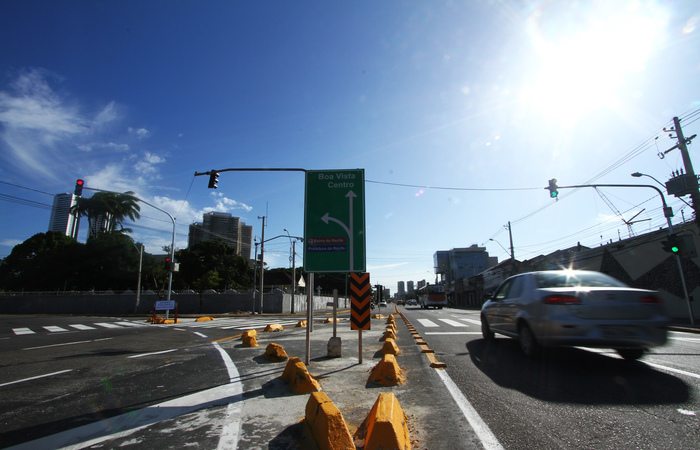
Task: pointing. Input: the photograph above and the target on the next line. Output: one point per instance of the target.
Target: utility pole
(512, 252)
(689, 172)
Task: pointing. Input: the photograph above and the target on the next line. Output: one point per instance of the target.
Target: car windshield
(575, 279)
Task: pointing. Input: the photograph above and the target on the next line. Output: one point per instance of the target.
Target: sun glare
(585, 68)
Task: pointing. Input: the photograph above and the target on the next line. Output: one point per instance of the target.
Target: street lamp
(138, 283)
(639, 174)
(504, 249)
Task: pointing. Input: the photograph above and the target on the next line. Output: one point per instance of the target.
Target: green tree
(212, 265)
(107, 210)
(45, 261)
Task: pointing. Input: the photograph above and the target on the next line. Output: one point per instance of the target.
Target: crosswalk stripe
(54, 329)
(428, 323)
(20, 331)
(454, 323)
(81, 327)
(131, 324)
(107, 325)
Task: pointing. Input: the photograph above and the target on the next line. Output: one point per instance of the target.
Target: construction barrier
(301, 324)
(274, 327)
(299, 379)
(249, 338)
(386, 425)
(390, 347)
(204, 319)
(387, 372)
(275, 353)
(326, 423)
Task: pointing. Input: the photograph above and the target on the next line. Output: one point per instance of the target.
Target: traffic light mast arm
(198, 174)
(667, 212)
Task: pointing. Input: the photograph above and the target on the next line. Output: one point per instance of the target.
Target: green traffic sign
(334, 221)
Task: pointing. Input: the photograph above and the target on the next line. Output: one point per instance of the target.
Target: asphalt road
(78, 382)
(573, 398)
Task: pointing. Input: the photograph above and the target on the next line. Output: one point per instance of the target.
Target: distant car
(382, 304)
(575, 308)
(400, 302)
(411, 302)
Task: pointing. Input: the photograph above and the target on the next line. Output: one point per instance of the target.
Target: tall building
(401, 291)
(460, 263)
(224, 227)
(411, 290)
(62, 221)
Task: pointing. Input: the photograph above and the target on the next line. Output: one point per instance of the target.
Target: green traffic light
(674, 249)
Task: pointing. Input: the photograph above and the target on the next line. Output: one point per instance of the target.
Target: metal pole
(308, 322)
(138, 283)
(694, 196)
(294, 273)
(262, 262)
(335, 312)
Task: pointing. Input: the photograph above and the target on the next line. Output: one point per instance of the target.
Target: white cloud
(140, 133)
(147, 166)
(41, 129)
(225, 204)
(10, 242)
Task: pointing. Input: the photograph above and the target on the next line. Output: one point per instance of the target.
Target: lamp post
(262, 263)
(138, 283)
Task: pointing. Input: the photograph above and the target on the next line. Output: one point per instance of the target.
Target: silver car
(575, 308)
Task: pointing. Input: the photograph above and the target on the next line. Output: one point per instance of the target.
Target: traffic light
(213, 179)
(553, 188)
(168, 265)
(672, 245)
(79, 187)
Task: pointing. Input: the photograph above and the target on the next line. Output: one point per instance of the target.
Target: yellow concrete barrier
(204, 319)
(389, 334)
(390, 347)
(299, 378)
(249, 338)
(301, 323)
(326, 423)
(274, 327)
(387, 426)
(330, 320)
(387, 372)
(169, 321)
(275, 353)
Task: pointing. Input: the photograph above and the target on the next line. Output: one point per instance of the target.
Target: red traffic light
(79, 187)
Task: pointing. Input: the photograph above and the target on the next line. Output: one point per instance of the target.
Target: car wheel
(486, 329)
(630, 354)
(528, 342)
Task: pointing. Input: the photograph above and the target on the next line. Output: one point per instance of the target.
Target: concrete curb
(685, 329)
(386, 425)
(387, 372)
(326, 424)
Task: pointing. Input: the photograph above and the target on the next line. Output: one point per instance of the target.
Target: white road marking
(483, 432)
(450, 332)
(454, 323)
(200, 334)
(671, 369)
(153, 353)
(132, 324)
(66, 343)
(36, 377)
(475, 322)
(232, 425)
(82, 327)
(20, 331)
(54, 329)
(427, 323)
(107, 325)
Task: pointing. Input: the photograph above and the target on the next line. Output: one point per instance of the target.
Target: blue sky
(459, 112)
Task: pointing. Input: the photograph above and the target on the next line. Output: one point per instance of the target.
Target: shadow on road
(572, 375)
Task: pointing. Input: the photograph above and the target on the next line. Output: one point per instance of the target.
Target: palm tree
(106, 210)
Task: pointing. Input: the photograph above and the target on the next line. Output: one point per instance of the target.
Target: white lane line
(671, 369)
(20, 331)
(450, 332)
(54, 329)
(678, 338)
(200, 334)
(36, 377)
(81, 327)
(153, 353)
(454, 323)
(232, 425)
(427, 323)
(488, 439)
(107, 325)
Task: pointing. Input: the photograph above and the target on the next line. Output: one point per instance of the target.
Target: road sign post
(334, 221)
